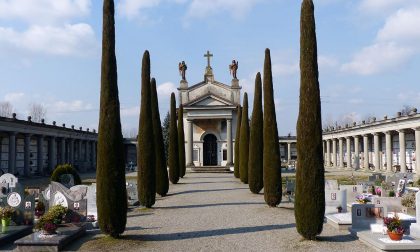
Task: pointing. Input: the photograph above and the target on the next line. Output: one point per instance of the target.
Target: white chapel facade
(210, 118)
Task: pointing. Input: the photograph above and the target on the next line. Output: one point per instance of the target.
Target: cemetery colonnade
(34, 149)
(389, 145)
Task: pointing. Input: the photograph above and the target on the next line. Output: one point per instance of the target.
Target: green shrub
(65, 169)
(55, 214)
(409, 200)
(391, 194)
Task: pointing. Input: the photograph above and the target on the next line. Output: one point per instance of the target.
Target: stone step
(211, 169)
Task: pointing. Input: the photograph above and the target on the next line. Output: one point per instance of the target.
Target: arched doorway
(210, 150)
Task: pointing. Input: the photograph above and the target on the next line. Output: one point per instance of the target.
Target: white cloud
(378, 6)
(77, 39)
(43, 11)
(69, 106)
(130, 111)
(14, 97)
(377, 58)
(131, 8)
(205, 8)
(282, 69)
(165, 89)
(395, 43)
(325, 61)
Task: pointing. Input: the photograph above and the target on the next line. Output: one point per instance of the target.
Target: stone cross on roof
(208, 56)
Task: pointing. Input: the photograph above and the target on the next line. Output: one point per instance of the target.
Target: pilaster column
(88, 157)
(27, 155)
(356, 153)
(189, 152)
(388, 151)
(328, 142)
(229, 142)
(63, 151)
(417, 139)
(289, 152)
(402, 151)
(52, 154)
(71, 151)
(348, 150)
(40, 154)
(12, 153)
(94, 155)
(340, 152)
(366, 152)
(80, 156)
(334, 150)
(376, 151)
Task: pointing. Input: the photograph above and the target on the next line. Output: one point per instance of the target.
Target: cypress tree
(309, 208)
(165, 133)
(255, 163)
(244, 142)
(238, 134)
(162, 180)
(146, 174)
(181, 141)
(173, 158)
(111, 200)
(271, 154)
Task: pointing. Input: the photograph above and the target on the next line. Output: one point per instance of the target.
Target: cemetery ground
(213, 212)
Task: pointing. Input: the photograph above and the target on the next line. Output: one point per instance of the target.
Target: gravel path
(215, 212)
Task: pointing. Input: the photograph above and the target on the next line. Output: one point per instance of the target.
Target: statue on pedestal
(233, 68)
(182, 67)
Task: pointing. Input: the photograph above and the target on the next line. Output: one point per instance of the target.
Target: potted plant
(378, 191)
(6, 214)
(391, 193)
(394, 228)
(339, 209)
(48, 223)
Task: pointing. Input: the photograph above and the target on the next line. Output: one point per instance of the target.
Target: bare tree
(130, 133)
(406, 110)
(37, 112)
(6, 109)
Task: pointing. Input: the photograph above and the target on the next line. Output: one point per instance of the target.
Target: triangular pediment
(210, 100)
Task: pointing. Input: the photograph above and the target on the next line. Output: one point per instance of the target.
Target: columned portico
(12, 152)
(417, 139)
(403, 165)
(334, 150)
(71, 151)
(229, 142)
(356, 153)
(26, 155)
(52, 153)
(348, 152)
(376, 151)
(328, 142)
(40, 154)
(340, 152)
(366, 152)
(63, 150)
(388, 151)
(189, 154)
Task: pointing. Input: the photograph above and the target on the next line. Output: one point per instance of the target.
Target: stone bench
(65, 234)
(12, 233)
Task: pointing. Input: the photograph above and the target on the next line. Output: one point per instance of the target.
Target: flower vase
(395, 236)
(5, 222)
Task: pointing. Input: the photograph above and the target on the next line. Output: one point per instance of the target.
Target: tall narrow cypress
(162, 180)
(255, 163)
(146, 174)
(271, 154)
(181, 141)
(173, 144)
(309, 208)
(111, 200)
(237, 137)
(244, 142)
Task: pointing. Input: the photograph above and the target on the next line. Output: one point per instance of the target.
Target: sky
(50, 54)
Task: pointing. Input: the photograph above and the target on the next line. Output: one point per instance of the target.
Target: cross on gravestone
(208, 56)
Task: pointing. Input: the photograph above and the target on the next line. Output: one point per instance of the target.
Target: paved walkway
(215, 212)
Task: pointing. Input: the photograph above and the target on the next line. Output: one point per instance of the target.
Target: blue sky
(50, 53)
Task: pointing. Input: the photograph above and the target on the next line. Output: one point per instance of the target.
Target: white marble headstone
(331, 184)
(335, 198)
(14, 199)
(9, 179)
(91, 201)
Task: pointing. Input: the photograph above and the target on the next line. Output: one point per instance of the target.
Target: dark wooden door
(210, 150)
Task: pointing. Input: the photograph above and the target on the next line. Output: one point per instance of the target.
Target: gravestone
(389, 204)
(334, 199)
(16, 201)
(415, 227)
(400, 188)
(132, 194)
(331, 184)
(9, 179)
(365, 185)
(67, 180)
(4, 189)
(73, 198)
(364, 215)
(352, 191)
(29, 209)
(377, 177)
(92, 210)
(35, 191)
